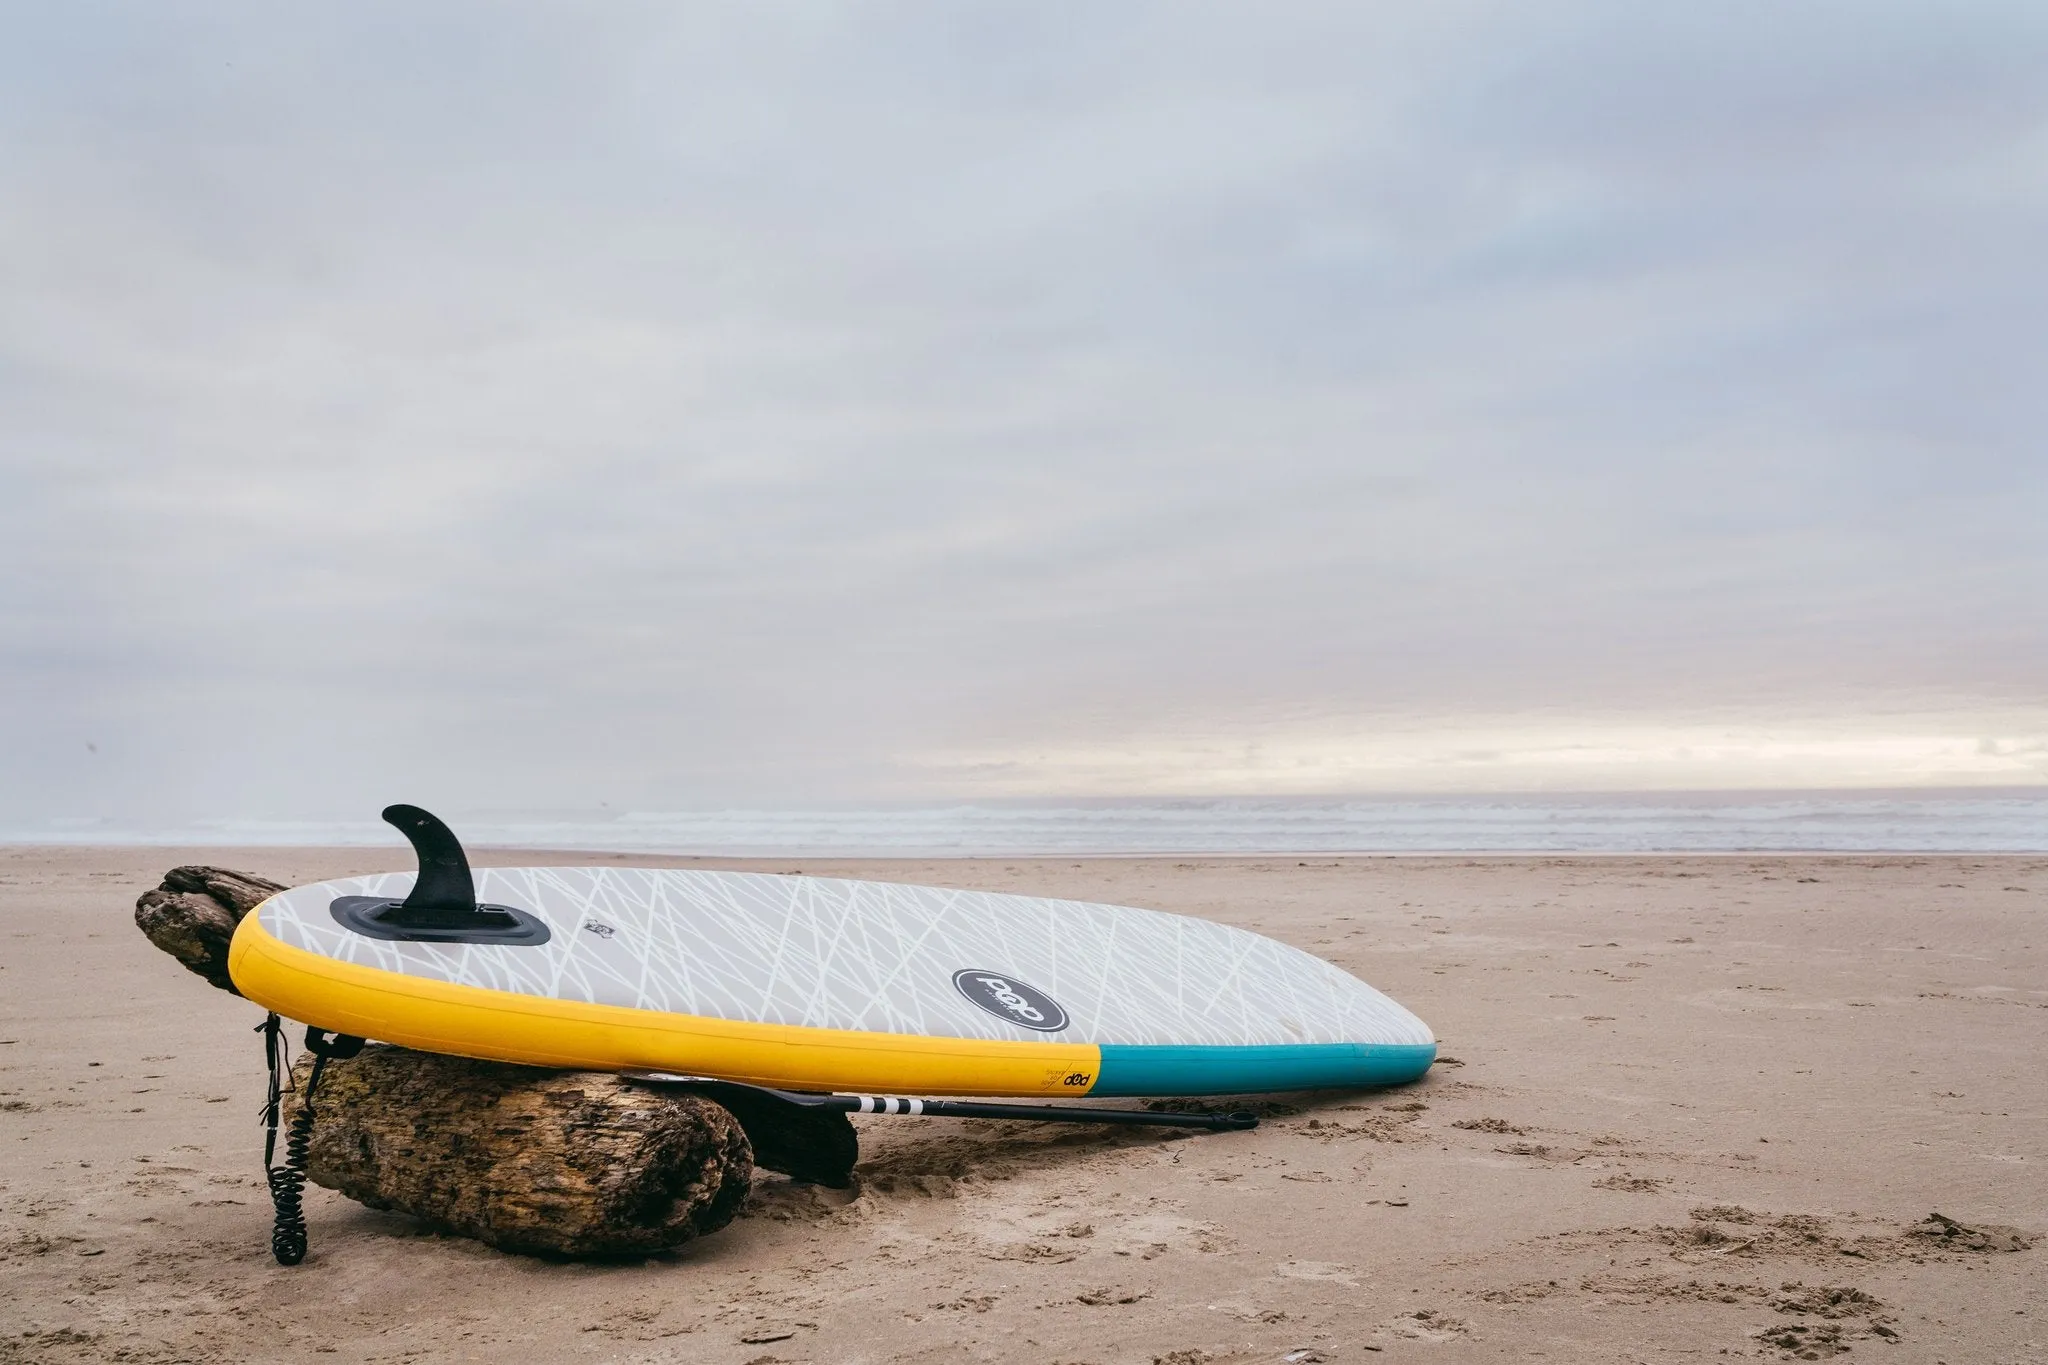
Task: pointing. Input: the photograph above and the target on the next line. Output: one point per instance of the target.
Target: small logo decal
(1007, 998)
(598, 927)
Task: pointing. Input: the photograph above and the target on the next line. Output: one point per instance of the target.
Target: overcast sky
(680, 406)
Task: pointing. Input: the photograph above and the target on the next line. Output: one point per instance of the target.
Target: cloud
(519, 406)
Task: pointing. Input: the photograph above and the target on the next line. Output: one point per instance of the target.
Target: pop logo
(1010, 1000)
(1007, 998)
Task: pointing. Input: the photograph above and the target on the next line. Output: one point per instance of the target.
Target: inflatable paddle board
(812, 984)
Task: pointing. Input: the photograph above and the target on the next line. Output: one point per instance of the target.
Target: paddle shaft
(962, 1109)
(1044, 1113)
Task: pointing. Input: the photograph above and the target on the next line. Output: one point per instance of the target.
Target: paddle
(1235, 1121)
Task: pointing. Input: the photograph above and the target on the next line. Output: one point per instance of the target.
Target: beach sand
(1687, 1107)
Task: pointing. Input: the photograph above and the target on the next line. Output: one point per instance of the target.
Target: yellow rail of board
(472, 1021)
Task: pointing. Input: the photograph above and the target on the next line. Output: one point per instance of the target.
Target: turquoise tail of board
(1135, 1070)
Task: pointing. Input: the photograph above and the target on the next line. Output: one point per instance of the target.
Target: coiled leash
(288, 1182)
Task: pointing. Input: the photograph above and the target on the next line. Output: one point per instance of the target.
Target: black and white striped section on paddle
(957, 1109)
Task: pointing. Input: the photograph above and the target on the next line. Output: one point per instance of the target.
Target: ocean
(1979, 821)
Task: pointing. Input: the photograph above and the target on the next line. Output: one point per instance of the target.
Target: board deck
(811, 983)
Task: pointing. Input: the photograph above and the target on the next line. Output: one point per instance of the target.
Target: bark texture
(568, 1163)
(194, 913)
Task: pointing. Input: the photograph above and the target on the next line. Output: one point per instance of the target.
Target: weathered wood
(193, 915)
(569, 1163)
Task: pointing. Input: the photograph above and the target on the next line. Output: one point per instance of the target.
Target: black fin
(444, 897)
(442, 907)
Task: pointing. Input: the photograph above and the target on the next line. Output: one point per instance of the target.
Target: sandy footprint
(1424, 1324)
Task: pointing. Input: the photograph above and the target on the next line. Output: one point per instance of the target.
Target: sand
(1689, 1107)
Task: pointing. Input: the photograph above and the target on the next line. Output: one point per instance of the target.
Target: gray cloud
(528, 407)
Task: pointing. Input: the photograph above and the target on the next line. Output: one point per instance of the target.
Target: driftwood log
(571, 1163)
(194, 913)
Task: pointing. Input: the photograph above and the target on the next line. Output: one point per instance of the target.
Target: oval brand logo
(1009, 999)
